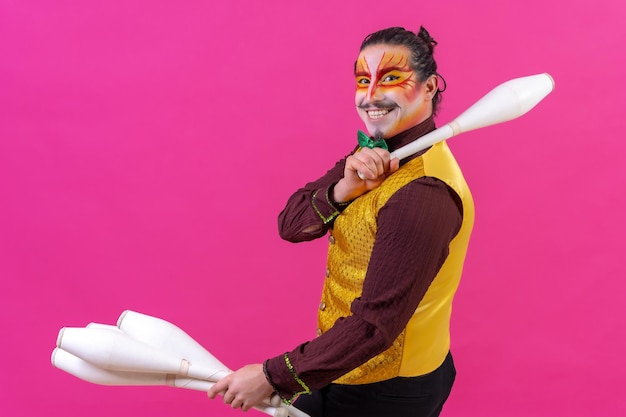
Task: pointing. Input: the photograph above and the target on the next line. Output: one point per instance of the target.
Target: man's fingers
(371, 163)
(212, 393)
(219, 387)
(228, 397)
(367, 168)
(236, 403)
(394, 165)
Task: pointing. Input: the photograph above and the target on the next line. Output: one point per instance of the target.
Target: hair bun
(428, 40)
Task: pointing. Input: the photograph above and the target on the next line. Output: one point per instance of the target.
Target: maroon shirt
(420, 219)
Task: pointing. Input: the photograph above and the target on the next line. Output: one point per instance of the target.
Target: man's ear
(431, 85)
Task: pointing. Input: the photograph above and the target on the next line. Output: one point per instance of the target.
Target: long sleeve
(420, 219)
(310, 211)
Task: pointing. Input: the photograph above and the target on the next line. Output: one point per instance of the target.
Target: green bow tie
(367, 142)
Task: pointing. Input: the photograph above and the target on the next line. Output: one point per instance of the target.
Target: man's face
(389, 97)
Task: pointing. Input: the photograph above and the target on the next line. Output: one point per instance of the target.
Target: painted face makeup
(389, 97)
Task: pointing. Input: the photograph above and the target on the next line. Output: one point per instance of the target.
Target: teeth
(377, 114)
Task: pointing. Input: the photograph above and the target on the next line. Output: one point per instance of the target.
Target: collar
(409, 135)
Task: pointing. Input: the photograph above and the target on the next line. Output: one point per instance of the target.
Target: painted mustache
(383, 104)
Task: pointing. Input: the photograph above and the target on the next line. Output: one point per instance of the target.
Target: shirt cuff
(284, 379)
(324, 205)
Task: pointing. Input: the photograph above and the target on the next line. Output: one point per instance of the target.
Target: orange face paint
(393, 70)
(389, 99)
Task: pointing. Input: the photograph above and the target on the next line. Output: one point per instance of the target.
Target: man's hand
(244, 388)
(374, 165)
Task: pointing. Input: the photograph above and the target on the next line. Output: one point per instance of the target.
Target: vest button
(331, 239)
(319, 332)
(327, 273)
(322, 306)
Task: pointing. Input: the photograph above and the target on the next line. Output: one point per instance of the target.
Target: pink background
(146, 148)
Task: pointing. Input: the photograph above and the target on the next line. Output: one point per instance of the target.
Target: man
(398, 235)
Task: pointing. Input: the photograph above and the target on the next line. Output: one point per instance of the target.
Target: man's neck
(411, 134)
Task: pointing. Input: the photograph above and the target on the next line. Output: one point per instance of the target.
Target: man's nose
(373, 93)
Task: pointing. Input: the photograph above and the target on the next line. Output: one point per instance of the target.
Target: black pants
(421, 396)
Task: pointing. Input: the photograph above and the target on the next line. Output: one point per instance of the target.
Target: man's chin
(383, 130)
(377, 132)
(386, 132)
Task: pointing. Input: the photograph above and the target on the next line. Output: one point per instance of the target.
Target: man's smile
(377, 113)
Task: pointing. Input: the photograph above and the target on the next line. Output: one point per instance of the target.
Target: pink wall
(146, 148)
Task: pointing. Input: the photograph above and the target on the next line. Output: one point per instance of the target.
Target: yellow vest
(424, 343)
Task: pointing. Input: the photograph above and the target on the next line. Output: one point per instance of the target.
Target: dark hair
(421, 45)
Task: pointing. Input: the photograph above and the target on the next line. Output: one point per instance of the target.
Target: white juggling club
(102, 326)
(91, 373)
(107, 355)
(115, 351)
(505, 102)
(167, 337)
(170, 338)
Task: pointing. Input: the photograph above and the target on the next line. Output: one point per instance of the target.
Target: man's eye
(390, 78)
(362, 81)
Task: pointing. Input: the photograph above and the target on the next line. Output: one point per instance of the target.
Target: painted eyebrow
(365, 72)
(383, 71)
